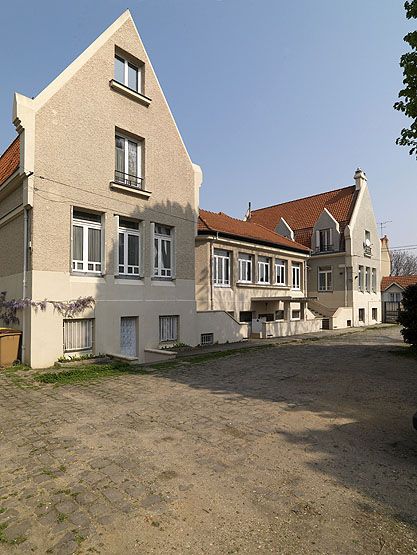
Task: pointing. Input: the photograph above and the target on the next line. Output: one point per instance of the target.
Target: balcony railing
(324, 248)
(367, 251)
(128, 180)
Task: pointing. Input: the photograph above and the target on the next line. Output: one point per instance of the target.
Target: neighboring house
(392, 288)
(253, 274)
(340, 229)
(98, 196)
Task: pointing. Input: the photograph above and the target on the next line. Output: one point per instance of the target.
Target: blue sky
(275, 99)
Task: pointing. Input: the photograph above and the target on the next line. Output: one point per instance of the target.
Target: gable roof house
(99, 197)
(339, 227)
(252, 273)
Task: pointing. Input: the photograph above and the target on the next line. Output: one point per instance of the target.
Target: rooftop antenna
(383, 225)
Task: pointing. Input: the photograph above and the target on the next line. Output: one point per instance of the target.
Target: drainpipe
(211, 275)
(24, 281)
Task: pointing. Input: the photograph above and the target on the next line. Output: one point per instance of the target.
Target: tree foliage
(408, 95)
(68, 309)
(403, 263)
(408, 315)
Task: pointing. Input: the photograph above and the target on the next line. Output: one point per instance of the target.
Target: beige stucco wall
(224, 328)
(70, 136)
(11, 248)
(238, 297)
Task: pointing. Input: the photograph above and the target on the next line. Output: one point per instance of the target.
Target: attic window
(128, 74)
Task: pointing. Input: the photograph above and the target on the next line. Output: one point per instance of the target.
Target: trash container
(9, 346)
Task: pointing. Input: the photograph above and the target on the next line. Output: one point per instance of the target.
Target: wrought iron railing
(324, 248)
(128, 180)
(367, 251)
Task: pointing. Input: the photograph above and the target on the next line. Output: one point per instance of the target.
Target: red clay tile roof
(402, 281)
(209, 222)
(302, 214)
(10, 160)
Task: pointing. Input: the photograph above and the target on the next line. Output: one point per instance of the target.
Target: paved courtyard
(302, 448)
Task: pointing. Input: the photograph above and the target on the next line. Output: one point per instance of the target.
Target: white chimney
(360, 179)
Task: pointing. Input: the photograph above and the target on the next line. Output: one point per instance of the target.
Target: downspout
(211, 275)
(24, 280)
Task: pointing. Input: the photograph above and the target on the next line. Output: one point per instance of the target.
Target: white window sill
(141, 98)
(130, 190)
(162, 282)
(85, 277)
(221, 286)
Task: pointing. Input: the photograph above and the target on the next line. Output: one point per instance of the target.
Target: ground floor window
(279, 315)
(295, 314)
(374, 314)
(268, 317)
(78, 335)
(207, 339)
(361, 315)
(168, 328)
(245, 316)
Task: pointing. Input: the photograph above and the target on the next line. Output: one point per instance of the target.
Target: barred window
(168, 328)
(78, 335)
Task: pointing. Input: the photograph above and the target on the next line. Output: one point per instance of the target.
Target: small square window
(207, 339)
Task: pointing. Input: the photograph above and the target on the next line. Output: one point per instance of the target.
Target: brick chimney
(360, 179)
(385, 257)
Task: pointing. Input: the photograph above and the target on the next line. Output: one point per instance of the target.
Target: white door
(128, 337)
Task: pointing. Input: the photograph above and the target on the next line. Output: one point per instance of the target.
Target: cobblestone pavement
(302, 448)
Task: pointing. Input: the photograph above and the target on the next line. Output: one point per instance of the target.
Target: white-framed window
(360, 278)
(168, 328)
(296, 275)
(221, 268)
(361, 313)
(163, 251)
(374, 314)
(325, 278)
(128, 74)
(245, 267)
(86, 242)
(395, 297)
(128, 155)
(264, 269)
(206, 339)
(325, 240)
(78, 335)
(279, 315)
(374, 280)
(129, 248)
(295, 314)
(368, 279)
(280, 271)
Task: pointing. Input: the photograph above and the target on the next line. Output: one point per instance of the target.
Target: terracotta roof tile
(302, 214)
(402, 281)
(222, 223)
(10, 160)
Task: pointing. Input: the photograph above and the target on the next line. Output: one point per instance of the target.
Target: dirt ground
(303, 448)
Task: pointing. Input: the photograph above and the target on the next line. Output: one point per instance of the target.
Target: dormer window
(128, 74)
(325, 240)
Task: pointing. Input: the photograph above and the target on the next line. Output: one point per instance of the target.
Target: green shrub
(408, 315)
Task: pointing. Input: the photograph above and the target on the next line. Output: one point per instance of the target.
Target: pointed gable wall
(75, 121)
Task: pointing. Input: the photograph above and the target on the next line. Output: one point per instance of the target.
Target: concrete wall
(283, 329)
(224, 328)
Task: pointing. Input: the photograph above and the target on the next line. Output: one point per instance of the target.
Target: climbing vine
(68, 309)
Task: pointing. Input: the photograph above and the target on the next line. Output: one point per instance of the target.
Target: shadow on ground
(353, 403)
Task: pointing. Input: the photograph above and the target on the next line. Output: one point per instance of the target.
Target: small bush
(408, 315)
